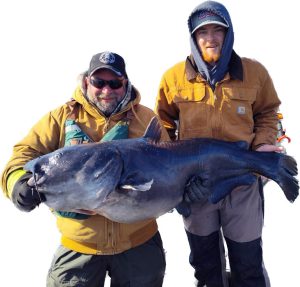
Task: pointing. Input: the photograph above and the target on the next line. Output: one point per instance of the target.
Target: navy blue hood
(216, 73)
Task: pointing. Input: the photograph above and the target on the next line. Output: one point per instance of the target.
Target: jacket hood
(211, 6)
(216, 73)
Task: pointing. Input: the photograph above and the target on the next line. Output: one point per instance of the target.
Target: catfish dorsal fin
(153, 130)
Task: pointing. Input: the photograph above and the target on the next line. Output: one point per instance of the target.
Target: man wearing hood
(92, 245)
(217, 94)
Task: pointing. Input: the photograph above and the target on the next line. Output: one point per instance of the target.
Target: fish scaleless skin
(130, 180)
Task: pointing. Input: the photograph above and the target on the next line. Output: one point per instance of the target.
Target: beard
(211, 58)
(106, 108)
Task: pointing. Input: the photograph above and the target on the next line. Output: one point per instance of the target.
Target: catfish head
(80, 173)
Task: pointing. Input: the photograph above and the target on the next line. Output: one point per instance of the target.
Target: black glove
(25, 197)
(196, 190)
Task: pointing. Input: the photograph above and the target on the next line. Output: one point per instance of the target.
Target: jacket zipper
(214, 121)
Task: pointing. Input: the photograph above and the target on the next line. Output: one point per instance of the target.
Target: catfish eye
(53, 159)
(58, 155)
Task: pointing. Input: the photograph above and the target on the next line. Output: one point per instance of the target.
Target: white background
(46, 44)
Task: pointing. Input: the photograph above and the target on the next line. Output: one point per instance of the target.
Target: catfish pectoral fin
(140, 187)
(224, 187)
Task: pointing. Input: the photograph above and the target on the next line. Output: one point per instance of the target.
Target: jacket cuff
(12, 178)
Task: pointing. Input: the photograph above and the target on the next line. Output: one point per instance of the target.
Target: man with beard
(105, 106)
(217, 94)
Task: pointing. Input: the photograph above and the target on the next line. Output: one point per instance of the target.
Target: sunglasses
(100, 83)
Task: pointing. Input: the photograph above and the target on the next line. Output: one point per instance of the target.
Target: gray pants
(240, 215)
(143, 265)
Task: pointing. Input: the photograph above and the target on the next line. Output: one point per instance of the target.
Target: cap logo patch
(205, 14)
(107, 58)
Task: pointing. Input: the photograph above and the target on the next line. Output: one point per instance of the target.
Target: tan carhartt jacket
(243, 105)
(97, 234)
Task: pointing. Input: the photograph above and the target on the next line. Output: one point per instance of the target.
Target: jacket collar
(235, 68)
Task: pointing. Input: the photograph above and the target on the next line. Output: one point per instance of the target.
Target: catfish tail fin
(287, 177)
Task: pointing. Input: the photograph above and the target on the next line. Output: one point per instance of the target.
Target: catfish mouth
(84, 211)
(35, 180)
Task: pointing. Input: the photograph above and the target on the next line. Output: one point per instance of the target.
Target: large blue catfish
(135, 179)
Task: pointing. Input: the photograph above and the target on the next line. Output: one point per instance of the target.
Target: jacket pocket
(193, 113)
(237, 114)
(192, 94)
(241, 94)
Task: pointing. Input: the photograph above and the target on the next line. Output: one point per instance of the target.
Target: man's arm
(41, 139)
(166, 109)
(265, 111)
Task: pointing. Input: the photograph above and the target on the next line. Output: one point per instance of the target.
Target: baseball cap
(108, 60)
(206, 17)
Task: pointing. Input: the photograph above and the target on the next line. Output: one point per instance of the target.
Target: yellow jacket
(97, 234)
(243, 105)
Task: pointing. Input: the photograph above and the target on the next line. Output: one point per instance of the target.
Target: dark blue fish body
(135, 179)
